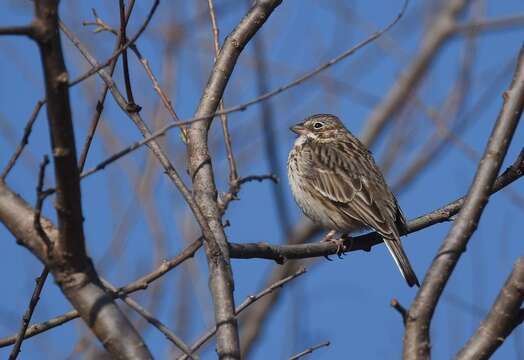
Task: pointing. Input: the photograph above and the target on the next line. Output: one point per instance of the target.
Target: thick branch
(90, 299)
(71, 243)
(504, 316)
(67, 258)
(140, 284)
(417, 340)
(204, 187)
(27, 30)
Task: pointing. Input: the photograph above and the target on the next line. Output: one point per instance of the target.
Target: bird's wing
(349, 178)
(353, 181)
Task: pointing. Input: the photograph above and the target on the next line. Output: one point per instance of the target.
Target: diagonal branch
(245, 304)
(40, 281)
(417, 339)
(442, 29)
(505, 315)
(93, 124)
(139, 284)
(309, 350)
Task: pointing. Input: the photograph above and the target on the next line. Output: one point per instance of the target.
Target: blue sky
(344, 301)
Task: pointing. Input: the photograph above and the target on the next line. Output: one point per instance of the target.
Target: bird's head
(318, 127)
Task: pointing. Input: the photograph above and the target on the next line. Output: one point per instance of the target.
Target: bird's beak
(298, 129)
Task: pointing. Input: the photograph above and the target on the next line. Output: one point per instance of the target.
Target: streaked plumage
(337, 184)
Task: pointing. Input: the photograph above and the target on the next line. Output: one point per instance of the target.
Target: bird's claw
(341, 247)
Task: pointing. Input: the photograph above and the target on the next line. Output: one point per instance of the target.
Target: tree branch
(67, 261)
(93, 124)
(309, 350)
(24, 141)
(204, 187)
(27, 30)
(417, 339)
(140, 284)
(503, 318)
(436, 35)
(245, 304)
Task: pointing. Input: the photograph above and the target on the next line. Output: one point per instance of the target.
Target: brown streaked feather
(346, 181)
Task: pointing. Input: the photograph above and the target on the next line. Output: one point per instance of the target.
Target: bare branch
(170, 335)
(267, 124)
(495, 24)
(196, 119)
(233, 174)
(400, 309)
(505, 315)
(68, 261)
(417, 340)
(25, 139)
(309, 350)
(40, 281)
(250, 300)
(170, 170)
(27, 30)
(436, 35)
(122, 36)
(93, 124)
(204, 188)
(139, 284)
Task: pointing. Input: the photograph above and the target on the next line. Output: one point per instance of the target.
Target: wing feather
(354, 183)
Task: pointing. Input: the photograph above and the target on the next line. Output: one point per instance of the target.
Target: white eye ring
(318, 125)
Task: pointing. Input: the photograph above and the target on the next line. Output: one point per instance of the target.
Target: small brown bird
(337, 184)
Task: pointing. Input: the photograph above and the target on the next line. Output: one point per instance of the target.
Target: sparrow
(337, 184)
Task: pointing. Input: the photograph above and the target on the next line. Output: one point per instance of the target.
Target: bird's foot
(341, 248)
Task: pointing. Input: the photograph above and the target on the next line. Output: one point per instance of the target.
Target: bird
(337, 184)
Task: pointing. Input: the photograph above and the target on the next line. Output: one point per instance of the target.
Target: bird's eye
(318, 125)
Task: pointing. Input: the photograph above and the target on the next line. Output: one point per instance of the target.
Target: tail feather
(395, 248)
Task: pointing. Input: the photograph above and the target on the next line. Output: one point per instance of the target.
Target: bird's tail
(402, 261)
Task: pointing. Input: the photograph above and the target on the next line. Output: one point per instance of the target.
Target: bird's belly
(321, 212)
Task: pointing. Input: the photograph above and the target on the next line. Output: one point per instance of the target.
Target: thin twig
(25, 139)
(40, 281)
(98, 67)
(95, 119)
(267, 123)
(241, 107)
(234, 188)
(102, 26)
(309, 350)
(233, 174)
(140, 284)
(131, 105)
(170, 335)
(400, 309)
(40, 197)
(246, 303)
